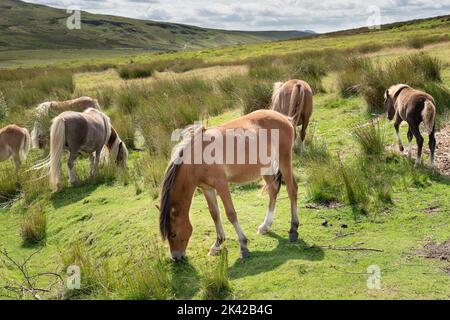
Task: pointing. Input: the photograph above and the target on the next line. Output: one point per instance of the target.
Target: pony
(48, 110)
(15, 143)
(413, 106)
(234, 141)
(294, 99)
(87, 132)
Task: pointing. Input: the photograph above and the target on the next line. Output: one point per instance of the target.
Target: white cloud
(321, 16)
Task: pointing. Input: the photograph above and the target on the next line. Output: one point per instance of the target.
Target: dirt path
(442, 154)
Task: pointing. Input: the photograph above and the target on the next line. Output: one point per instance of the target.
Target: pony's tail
(57, 141)
(25, 146)
(428, 116)
(297, 99)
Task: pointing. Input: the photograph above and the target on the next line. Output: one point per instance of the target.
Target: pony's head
(390, 98)
(39, 134)
(174, 223)
(118, 151)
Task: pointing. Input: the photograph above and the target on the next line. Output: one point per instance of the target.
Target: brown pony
(294, 99)
(48, 110)
(413, 106)
(15, 142)
(233, 141)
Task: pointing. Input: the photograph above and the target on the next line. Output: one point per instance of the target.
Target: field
(359, 206)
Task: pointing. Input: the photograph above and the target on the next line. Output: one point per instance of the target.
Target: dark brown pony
(183, 177)
(294, 98)
(413, 106)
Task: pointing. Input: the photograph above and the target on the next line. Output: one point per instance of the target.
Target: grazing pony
(15, 142)
(48, 110)
(87, 132)
(232, 141)
(294, 99)
(413, 106)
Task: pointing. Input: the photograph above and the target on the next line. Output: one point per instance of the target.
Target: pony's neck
(183, 190)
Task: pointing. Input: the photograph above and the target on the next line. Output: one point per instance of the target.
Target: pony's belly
(243, 173)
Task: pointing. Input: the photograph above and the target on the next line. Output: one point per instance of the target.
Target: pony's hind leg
(398, 122)
(17, 162)
(273, 186)
(410, 138)
(211, 199)
(432, 145)
(225, 195)
(303, 134)
(292, 190)
(72, 168)
(419, 139)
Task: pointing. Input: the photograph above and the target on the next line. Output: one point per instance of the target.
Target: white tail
(57, 141)
(428, 116)
(25, 146)
(297, 98)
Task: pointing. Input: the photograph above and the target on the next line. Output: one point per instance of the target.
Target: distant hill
(25, 26)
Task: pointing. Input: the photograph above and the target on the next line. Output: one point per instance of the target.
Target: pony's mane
(171, 173)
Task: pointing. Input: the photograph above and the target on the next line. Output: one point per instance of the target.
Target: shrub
(34, 225)
(214, 282)
(415, 70)
(125, 127)
(136, 71)
(129, 98)
(416, 42)
(371, 139)
(3, 108)
(8, 183)
(351, 75)
(258, 95)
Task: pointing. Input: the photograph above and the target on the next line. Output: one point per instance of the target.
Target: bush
(135, 72)
(257, 95)
(351, 75)
(34, 225)
(371, 139)
(125, 127)
(416, 42)
(415, 70)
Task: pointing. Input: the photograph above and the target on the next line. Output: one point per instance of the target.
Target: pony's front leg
(211, 199)
(398, 122)
(292, 190)
(273, 185)
(72, 168)
(225, 195)
(95, 159)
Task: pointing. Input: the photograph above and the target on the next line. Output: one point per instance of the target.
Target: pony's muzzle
(178, 255)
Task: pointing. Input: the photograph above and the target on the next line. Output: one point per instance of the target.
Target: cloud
(321, 16)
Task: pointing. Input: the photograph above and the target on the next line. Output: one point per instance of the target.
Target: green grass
(109, 225)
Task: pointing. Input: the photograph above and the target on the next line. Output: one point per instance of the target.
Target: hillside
(25, 26)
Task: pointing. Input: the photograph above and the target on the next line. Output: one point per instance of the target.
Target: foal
(413, 106)
(15, 142)
(294, 99)
(87, 132)
(48, 110)
(231, 141)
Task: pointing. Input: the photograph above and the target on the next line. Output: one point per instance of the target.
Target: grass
(33, 228)
(367, 197)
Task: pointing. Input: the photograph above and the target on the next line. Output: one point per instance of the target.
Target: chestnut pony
(213, 177)
(15, 143)
(294, 99)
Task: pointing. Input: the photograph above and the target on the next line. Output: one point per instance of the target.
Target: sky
(317, 15)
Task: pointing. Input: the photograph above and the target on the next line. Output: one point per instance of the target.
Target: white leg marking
(267, 222)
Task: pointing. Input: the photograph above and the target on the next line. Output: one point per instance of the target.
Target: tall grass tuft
(214, 283)
(371, 138)
(415, 70)
(258, 95)
(34, 226)
(147, 277)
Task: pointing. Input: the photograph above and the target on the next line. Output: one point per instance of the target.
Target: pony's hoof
(262, 230)
(213, 252)
(245, 254)
(293, 237)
